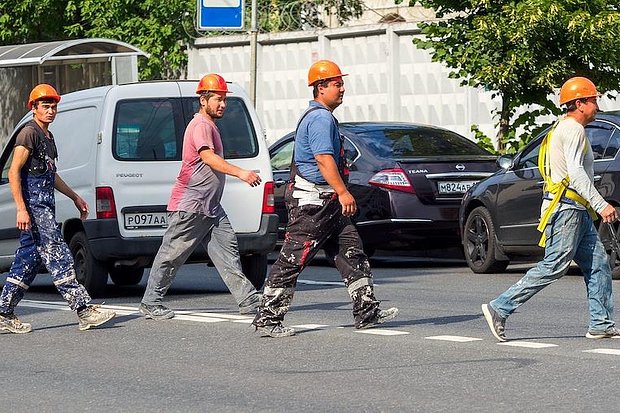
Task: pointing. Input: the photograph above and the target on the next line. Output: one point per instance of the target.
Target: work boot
(275, 331)
(156, 312)
(250, 305)
(11, 323)
(380, 317)
(92, 316)
(496, 323)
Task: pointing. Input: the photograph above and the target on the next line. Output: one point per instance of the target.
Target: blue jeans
(571, 235)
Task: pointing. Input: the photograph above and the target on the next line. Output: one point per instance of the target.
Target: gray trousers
(185, 231)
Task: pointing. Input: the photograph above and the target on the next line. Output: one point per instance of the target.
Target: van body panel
(129, 138)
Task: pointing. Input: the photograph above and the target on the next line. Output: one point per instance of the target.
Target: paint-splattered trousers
(310, 228)
(41, 244)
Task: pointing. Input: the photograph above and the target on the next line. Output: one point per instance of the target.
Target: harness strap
(559, 190)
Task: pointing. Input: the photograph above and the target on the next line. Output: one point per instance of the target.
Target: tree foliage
(161, 28)
(524, 50)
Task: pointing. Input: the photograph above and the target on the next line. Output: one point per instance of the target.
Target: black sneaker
(381, 317)
(251, 305)
(611, 332)
(496, 323)
(275, 331)
(156, 312)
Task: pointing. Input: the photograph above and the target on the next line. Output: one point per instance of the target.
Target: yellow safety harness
(559, 190)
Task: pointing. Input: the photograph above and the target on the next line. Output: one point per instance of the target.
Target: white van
(120, 149)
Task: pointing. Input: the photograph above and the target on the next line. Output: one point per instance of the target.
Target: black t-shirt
(43, 152)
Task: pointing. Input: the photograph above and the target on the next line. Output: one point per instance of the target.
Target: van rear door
(140, 154)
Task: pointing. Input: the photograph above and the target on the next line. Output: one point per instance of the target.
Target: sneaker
(252, 304)
(92, 316)
(11, 323)
(156, 312)
(496, 323)
(381, 317)
(275, 331)
(611, 332)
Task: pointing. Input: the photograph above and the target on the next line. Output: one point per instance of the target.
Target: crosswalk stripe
(458, 339)
(527, 344)
(382, 332)
(612, 351)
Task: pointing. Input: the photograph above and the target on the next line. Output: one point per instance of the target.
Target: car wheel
(90, 272)
(479, 243)
(614, 255)
(255, 268)
(126, 275)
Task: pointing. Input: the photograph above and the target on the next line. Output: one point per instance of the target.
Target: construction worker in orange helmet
(33, 179)
(570, 206)
(320, 208)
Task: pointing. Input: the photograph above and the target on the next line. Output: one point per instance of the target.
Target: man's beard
(213, 113)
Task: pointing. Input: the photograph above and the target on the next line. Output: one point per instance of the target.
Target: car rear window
(399, 142)
(147, 130)
(236, 128)
(152, 129)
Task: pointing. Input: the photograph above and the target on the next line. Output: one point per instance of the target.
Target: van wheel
(126, 275)
(90, 272)
(255, 268)
(479, 243)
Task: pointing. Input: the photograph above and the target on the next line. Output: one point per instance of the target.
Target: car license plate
(146, 220)
(455, 187)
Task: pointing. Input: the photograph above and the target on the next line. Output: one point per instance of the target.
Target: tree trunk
(504, 123)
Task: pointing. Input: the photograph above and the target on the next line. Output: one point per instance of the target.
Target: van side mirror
(505, 161)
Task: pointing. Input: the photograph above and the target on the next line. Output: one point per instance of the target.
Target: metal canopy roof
(33, 54)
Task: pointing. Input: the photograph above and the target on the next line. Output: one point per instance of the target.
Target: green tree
(523, 50)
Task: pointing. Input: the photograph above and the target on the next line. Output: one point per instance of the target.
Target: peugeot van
(120, 149)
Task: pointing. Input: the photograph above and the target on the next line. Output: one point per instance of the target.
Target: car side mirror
(505, 161)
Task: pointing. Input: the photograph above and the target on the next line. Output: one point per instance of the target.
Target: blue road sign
(220, 14)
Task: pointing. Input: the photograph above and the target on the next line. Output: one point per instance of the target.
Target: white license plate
(455, 187)
(146, 220)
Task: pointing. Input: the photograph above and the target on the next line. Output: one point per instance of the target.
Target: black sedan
(499, 215)
(407, 179)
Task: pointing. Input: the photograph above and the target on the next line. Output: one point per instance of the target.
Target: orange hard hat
(322, 70)
(212, 83)
(577, 88)
(43, 91)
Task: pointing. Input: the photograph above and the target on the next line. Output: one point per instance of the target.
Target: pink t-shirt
(198, 188)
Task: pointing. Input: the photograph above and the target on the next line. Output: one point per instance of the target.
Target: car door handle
(279, 182)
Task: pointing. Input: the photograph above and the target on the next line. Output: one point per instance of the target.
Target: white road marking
(458, 339)
(612, 351)
(122, 310)
(310, 326)
(311, 282)
(380, 332)
(527, 344)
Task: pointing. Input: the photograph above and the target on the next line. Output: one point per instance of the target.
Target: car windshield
(408, 142)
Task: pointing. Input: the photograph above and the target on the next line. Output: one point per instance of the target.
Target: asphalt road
(437, 356)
